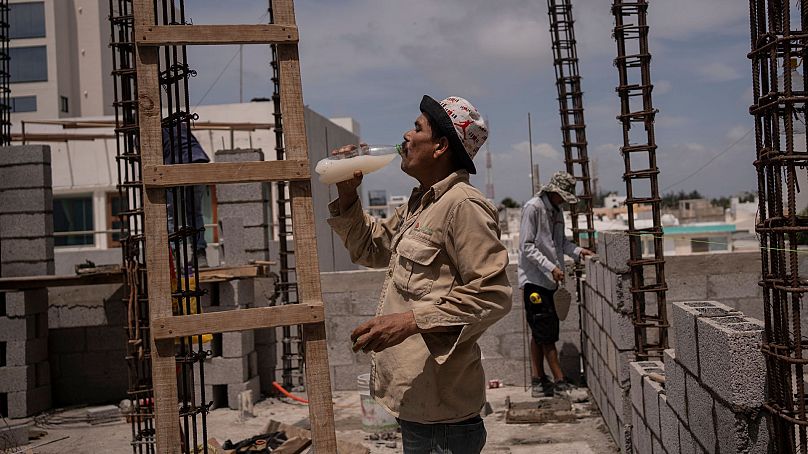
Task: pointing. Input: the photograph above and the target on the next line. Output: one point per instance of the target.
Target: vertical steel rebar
(778, 46)
(5, 76)
(648, 287)
(130, 215)
(571, 108)
(292, 357)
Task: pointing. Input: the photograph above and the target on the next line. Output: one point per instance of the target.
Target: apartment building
(60, 59)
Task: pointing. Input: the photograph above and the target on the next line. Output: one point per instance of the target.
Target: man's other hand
(586, 252)
(558, 275)
(383, 332)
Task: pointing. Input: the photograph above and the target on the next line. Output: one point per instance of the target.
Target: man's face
(556, 199)
(418, 148)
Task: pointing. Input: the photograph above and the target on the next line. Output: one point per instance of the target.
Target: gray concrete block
(226, 371)
(233, 391)
(638, 370)
(26, 403)
(239, 293)
(688, 444)
(669, 425)
(684, 315)
(731, 362)
(21, 353)
(622, 403)
(20, 378)
(700, 414)
(251, 213)
(27, 250)
(622, 330)
(641, 436)
(624, 359)
(338, 333)
(239, 155)
(14, 155)
(656, 444)
(622, 299)
(255, 238)
(242, 192)
(26, 225)
(21, 328)
(22, 269)
(617, 250)
(608, 286)
(611, 359)
(13, 436)
(675, 384)
(740, 432)
(28, 302)
(26, 201)
(237, 344)
(26, 176)
(651, 391)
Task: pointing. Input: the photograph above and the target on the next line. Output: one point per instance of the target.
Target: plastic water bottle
(366, 158)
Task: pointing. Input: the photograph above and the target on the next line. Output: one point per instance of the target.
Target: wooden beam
(180, 35)
(164, 176)
(163, 363)
(318, 379)
(237, 320)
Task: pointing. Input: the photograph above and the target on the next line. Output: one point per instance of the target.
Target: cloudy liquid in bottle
(366, 159)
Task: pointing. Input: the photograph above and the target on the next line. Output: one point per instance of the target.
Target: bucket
(374, 417)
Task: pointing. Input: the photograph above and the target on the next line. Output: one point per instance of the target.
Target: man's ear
(441, 147)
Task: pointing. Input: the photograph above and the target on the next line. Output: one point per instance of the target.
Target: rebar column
(647, 262)
(778, 44)
(571, 108)
(292, 354)
(129, 210)
(5, 77)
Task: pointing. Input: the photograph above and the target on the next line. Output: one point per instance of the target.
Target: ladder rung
(178, 35)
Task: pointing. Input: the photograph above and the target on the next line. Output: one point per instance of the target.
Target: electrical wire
(709, 162)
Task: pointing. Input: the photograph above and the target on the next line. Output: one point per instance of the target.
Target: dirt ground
(586, 435)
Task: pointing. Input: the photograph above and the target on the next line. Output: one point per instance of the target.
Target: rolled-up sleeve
(483, 295)
(366, 238)
(528, 232)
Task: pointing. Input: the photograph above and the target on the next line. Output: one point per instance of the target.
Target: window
(21, 104)
(26, 20)
(699, 245)
(29, 64)
(63, 104)
(718, 243)
(73, 220)
(113, 221)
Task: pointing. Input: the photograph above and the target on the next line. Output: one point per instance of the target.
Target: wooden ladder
(165, 327)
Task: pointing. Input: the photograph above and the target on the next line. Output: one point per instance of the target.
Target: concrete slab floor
(586, 436)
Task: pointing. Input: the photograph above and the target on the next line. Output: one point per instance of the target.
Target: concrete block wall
(25, 377)
(87, 345)
(233, 366)
(26, 211)
(351, 298)
(244, 213)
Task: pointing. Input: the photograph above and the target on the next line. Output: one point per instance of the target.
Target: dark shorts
(464, 437)
(541, 318)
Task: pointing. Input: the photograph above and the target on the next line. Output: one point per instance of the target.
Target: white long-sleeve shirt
(542, 243)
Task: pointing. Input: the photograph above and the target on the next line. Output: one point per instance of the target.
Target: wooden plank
(318, 379)
(164, 176)
(237, 320)
(163, 364)
(180, 35)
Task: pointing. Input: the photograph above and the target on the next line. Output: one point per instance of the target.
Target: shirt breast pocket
(417, 270)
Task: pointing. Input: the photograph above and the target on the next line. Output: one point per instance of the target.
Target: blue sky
(373, 59)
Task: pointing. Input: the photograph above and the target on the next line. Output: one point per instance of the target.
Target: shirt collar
(437, 190)
(547, 203)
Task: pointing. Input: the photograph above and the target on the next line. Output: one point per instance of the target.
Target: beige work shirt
(446, 264)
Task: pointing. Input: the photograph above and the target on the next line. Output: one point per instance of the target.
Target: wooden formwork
(157, 176)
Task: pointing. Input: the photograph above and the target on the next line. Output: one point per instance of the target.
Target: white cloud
(737, 132)
(718, 72)
(541, 150)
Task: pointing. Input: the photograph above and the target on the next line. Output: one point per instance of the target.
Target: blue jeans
(465, 437)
